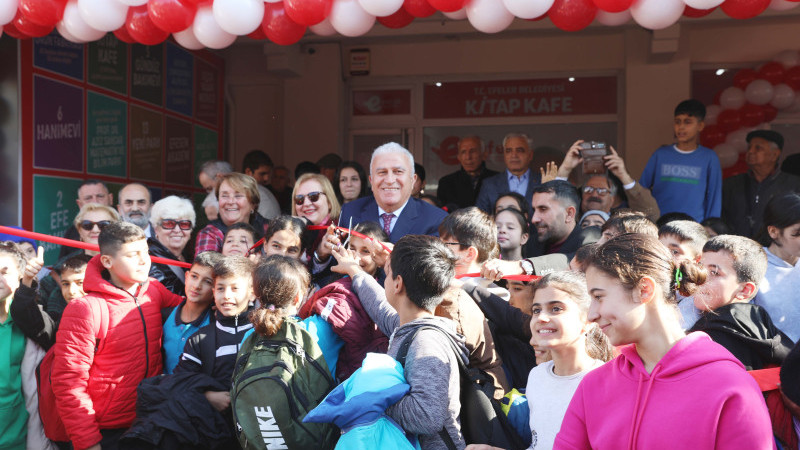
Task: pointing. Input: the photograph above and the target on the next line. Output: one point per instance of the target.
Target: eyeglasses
(312, 196)
(88, 225)
(169, 224)
(600, 191)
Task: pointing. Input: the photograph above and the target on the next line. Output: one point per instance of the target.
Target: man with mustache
(462, 187)
(134, 206)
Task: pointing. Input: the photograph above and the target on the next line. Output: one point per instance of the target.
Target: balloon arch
(755, 99)
(216, 23)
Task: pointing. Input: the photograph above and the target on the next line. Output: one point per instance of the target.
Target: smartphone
(592, 153)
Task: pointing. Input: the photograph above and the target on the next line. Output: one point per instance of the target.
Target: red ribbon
(507, 277)
(78, 244)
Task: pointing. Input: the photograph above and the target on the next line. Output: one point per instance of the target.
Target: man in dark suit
(461, 188)
(391, 175)
(518, 177)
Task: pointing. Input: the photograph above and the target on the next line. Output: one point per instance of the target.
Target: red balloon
(258, 34)
(792, 78)
(122, 34)
(744, 9)
(752, 115)
(770, 112)
(729, 120)
(308, 12)
(688, 11)
(11, 30)
(772, 72)
(736, 169)
(613, 6)
(572, 15)
(536, 19)
(28, 28)
(171, 16)
(142, 29)
(744, 77)
(418, 8)
(447, 5)
(717, 97)
(712, 135)
(399, 19)
(43, 12)
(279, 27)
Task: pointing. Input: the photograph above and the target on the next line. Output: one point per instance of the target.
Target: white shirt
(396, 213)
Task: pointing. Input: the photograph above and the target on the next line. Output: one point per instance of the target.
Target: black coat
(576, 239)
(165, 274)
(744, 199)
(456, 188)
(31, 318)
(747, 331)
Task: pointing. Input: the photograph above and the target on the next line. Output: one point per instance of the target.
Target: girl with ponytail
(665, 389)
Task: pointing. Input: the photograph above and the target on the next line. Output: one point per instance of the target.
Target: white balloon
(789, 58)
(488, 16)
(657, 14)
(349, 18)
(732, 98)
(323, 28)
(782, 5)
(712, 112)
(738, 139)
(727, 155)
(238, 17)
(187, 39)
(782, 96)
(703, 4)
(381, 8)
(613, 19)
(528, 9)
(62, 30)
(104, 15)
(133, 2)
(8, 9)
(272, 1)
(461, 14)
(759, 92)
(208, 31)
(796, 106)
(76, 26)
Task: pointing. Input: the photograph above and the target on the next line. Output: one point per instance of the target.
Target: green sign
(205, 148)
(107, 127)
(54, 209)
(108, 64)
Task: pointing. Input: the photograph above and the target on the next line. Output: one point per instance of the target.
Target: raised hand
(549, 172)
(571, 159)
(33, 267)
(616, 165)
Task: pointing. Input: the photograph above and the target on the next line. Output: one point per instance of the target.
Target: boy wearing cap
(745, 196)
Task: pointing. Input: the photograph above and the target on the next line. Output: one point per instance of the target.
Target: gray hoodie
(431, 369)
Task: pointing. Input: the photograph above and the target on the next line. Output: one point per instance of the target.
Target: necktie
(387, 221)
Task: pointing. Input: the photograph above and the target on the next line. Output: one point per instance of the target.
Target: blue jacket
(417, 217)
(498, 184)
(358, 405)
(176, 333)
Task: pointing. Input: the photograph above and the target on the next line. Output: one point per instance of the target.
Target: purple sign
(57, 125)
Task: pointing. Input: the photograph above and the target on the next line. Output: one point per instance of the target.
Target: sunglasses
(600, 191)
(88, 225)
(312, 196)
(169, 224)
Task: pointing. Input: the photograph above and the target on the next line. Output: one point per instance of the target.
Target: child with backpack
(194, 312)
(418, 274)
(668, 388)
(107, 342)
(736, 265)
(285, 367)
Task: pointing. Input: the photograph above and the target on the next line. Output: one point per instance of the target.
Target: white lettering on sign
(269, 429)
(512, 106)
(50, 131)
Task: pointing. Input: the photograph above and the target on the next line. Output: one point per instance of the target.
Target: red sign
(382, 103)
(520, 98)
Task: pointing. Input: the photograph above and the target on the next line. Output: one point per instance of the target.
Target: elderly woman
(315, 201)
(238, 199)
(173, 219)
(92, 218)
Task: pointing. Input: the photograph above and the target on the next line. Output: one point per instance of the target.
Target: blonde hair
(241, 183)
(327, 189)
(89, 207)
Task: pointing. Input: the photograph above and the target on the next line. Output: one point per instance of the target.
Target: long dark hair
(361, 174)
(277, 281)
(781, 212)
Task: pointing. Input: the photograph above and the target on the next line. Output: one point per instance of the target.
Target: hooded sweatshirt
(777, 293)
(431, 369)
(697, 397)
(747, 332)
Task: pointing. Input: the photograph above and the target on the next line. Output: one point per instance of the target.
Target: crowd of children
(632, 334)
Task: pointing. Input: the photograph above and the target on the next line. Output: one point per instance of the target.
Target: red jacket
(98, 390)
(338, 305)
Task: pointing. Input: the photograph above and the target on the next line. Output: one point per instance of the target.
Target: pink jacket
(698, 396)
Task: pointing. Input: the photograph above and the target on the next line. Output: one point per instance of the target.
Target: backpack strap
(100, 320)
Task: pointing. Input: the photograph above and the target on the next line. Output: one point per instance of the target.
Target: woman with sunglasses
(92, 218)
(173, 219)
(238, 198)
(314, 200)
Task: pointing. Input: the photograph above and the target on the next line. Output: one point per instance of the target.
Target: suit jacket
(457, 187)
(498, 184)
(418, 217)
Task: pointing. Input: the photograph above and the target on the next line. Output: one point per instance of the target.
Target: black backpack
(482, 418)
